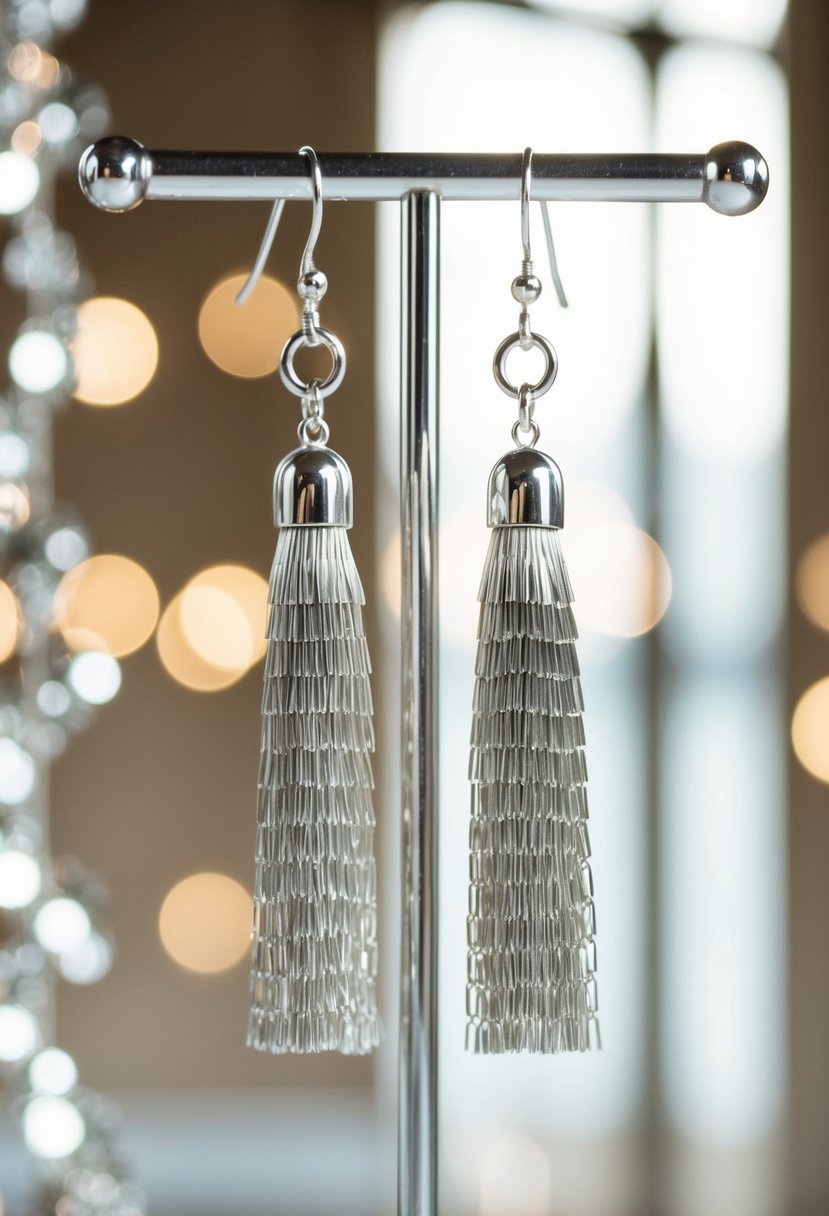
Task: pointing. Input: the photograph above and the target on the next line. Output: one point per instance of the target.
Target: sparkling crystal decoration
(52, 912)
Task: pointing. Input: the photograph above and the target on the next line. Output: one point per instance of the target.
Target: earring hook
(526, 188)
(273, 223)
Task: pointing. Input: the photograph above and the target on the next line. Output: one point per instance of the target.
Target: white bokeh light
(17, 773)
(53, 1128)
(19, 1035)
(14, 455)
(19, 182)
(88, 963)
(20, 879)
(38, 361)
(95, 676)
(62, 925)
(58, 123)
(53, 1072)
(66, 547)
(53, 699)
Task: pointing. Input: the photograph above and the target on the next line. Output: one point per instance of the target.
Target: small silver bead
(312, 286)
(526, 288)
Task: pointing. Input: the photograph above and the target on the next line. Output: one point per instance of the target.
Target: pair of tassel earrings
(530, 927)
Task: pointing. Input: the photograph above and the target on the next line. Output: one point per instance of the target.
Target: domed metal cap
(312, 485)
(526, 487)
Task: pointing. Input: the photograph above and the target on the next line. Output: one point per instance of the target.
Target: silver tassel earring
(531, 957)
(314, 951)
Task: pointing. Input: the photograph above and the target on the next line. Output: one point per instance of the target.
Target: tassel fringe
(314, 956)
(531, 958)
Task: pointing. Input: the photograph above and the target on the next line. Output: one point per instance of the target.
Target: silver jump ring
(499, 365)
(312, 402)
(518, 431)
(313, 432)
(334, 378)
(526, 407)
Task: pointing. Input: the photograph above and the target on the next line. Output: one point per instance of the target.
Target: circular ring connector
(334, 378)
(499, 366)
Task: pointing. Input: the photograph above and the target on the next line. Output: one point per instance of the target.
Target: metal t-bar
(117, 174)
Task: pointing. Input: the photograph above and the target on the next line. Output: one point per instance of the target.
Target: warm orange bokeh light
(182, 662)
(812, 582)
(205, 921)
(10, 622)
(26, 138)
(107, 603)
(810, 730)
(115, 351)
(246, 340)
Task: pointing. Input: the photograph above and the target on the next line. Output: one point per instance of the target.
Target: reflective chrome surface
(515, 342)
(418, 1106)
(116, 173)
(526, 487)
(312, 485)
(736, 178)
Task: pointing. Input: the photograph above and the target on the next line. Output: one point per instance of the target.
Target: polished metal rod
(418, 1098)
(117, 174)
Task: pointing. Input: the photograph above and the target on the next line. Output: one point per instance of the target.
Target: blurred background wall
(672, 426)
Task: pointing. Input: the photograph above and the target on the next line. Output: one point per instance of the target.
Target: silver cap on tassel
(526, 487)
(312, 485)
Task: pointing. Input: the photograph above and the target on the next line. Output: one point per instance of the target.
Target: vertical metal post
(420, 294)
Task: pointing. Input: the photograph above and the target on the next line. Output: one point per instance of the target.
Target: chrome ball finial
(526, 487)
(113, 173)
(736, 178)
(312, 485)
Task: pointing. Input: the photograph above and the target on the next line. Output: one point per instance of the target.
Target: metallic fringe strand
(531, 958)
(314, 955)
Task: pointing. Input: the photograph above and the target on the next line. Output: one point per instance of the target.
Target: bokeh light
(11, 621)
(61, 925)
(88, 962)
(621, 580)
(108, 603)
(14, 455)
(30, 64)
(38, 361)
(205, 923)
(19, 1034)
(26, 138)
(246, 340)
(20, 879)
(812, 582)
(115, 351)
(810, 730)
(58, 122)
(19, 182)
(65, 547)
(52, 1127)
(212, 632)
(223, 615)
(95, 676)
(17, 773)
(52, 1072)
(515, 1178)
(14, 507)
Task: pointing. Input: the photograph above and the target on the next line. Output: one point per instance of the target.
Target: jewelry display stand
(116, 174)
